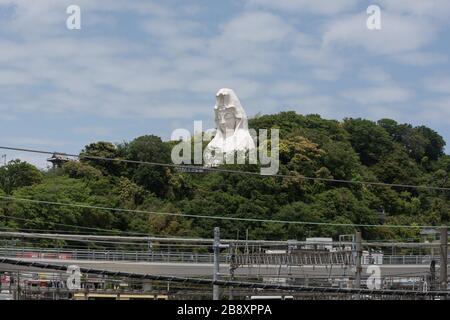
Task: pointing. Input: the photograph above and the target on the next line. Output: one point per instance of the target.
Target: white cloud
(437, 110)
(325, 63)
(289, 88)
(326, 74)
(378, 95)
(440, 84)
(14, 77)
(247, 45)
(375, 74)
(92, 130)
(244, 87)
(259, 27)
(34, 141)
(322, 7)
(436, 9)
(399, 33)
(421, 59)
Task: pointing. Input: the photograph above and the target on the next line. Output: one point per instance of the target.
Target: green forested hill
(354, 149)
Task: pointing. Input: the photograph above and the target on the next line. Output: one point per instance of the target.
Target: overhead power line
(18, 229)
(355, 182)
(237, 284)
(87, 206)
(206, 242)
(70, 225)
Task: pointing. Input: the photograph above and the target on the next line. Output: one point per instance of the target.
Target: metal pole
(432, 275)
(443, 262)
(216, 248)
(231, 269)
(18, 285)
(358, 270)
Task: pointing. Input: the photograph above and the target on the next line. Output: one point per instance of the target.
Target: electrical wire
(72, 225)
(242, 284)
(88, 157)
(87, 206)
(79, 205)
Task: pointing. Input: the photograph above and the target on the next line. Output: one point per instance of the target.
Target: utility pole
(443, 262)
(216, 249)
(358, 271)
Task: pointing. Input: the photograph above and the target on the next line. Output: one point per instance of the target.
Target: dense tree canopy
(355, 149)
(17, 174)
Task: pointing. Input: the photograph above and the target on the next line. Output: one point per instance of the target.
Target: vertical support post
(231, 268)
(216, 249)
(150, 248)
(443, 262)
(18, 285)
(247, 254)
(432, 275)
(358, 271)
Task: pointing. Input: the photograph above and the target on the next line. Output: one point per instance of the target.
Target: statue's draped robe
(238, 139)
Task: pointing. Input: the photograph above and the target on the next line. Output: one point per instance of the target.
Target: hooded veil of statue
(232, 133)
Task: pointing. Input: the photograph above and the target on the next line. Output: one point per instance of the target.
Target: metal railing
(193, 257)
(109, 255)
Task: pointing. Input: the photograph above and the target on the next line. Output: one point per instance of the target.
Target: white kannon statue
(232, 133)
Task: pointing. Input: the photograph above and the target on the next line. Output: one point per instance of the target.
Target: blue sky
(149, 67)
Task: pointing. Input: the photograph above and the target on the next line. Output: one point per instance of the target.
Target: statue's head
(229, 114)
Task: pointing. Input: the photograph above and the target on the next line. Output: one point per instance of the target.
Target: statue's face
(227, 121)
